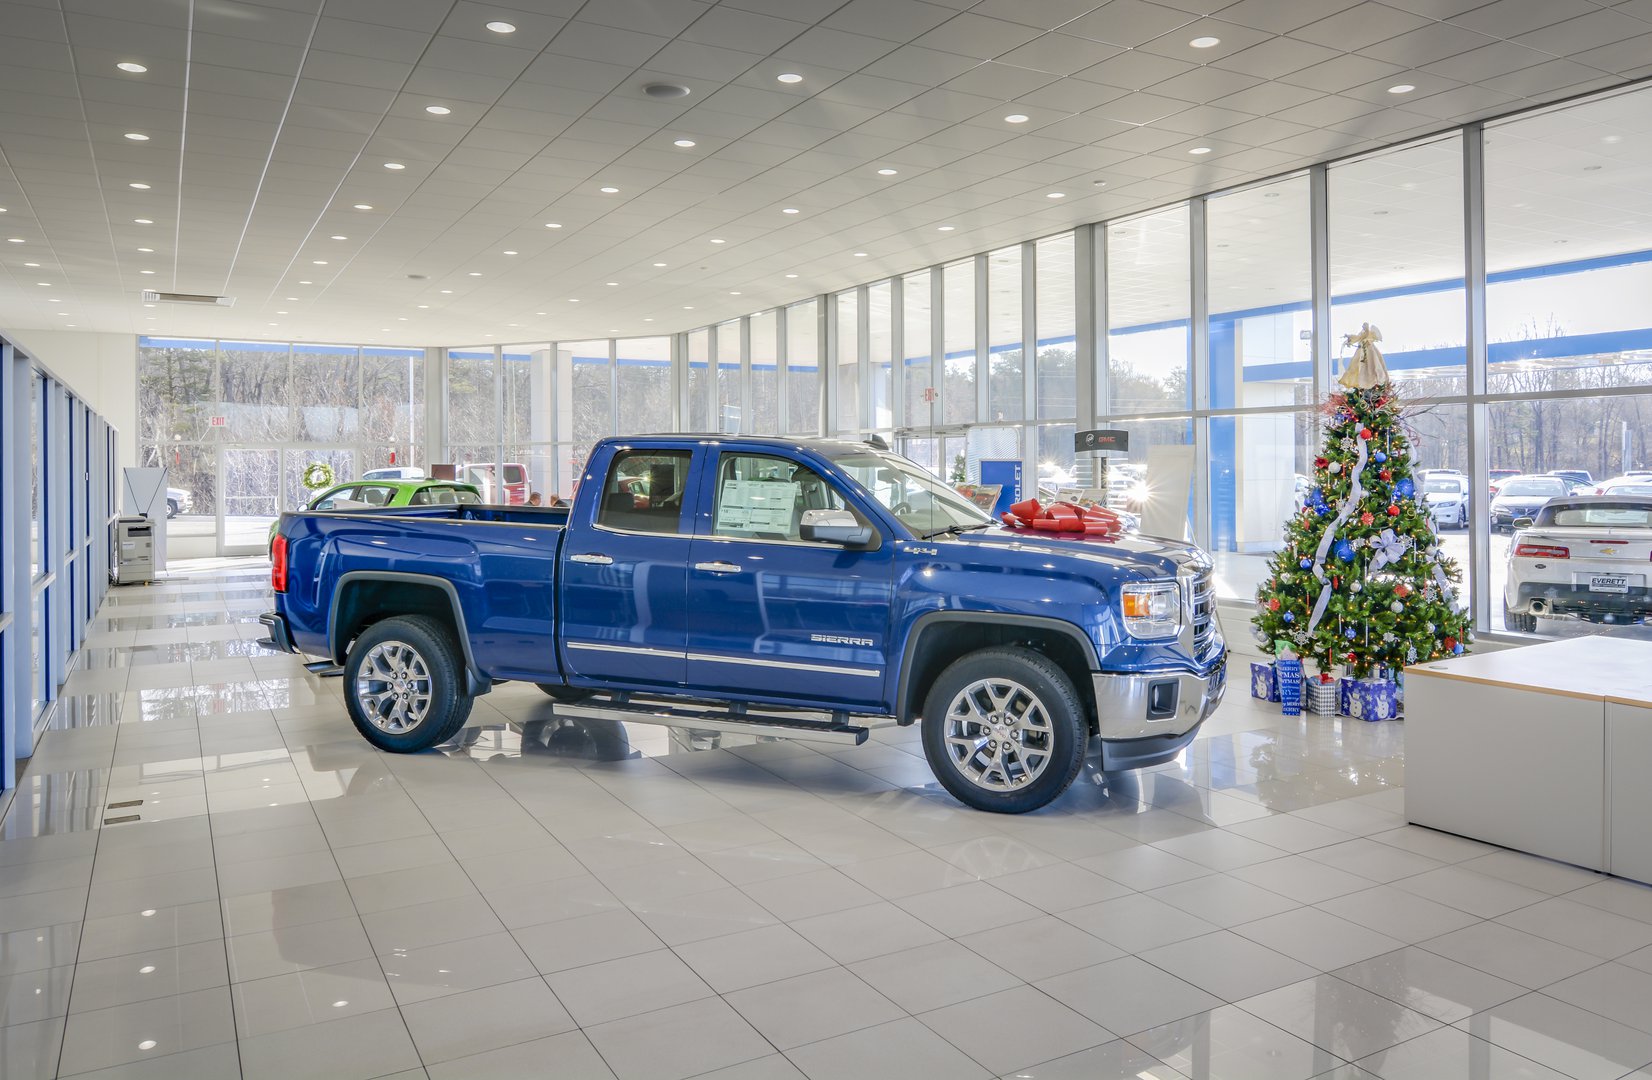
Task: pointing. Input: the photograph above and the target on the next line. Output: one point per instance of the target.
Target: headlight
(1152, 609)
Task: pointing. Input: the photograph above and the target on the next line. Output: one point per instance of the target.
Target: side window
(341, 495)
(419, 498)
(374, 495)
(461, 496)
(760, 497)
(644, 491)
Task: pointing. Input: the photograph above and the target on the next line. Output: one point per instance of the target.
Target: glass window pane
(765, 405)
(1006, 395)
(1148, 306)
(472, 410)
(177, 388)
(254, 392)
(1056, 464)
(591, 388)
(958, 283)
(1569, 247)
(699, 380)
(644, 385)
(803, 368)
(848, 362)
(916, 368)
(1396, 224)
(392, 395)
(644, 491)
(1056, 387)
(728, 377)
(326, 392)
(526, 371)
(880, 323)
(1261, 310)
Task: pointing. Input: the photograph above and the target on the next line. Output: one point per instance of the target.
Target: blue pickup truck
(795, 587)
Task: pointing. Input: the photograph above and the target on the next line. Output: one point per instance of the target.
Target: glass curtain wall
(802, 368)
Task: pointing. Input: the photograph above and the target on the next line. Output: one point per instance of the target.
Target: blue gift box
(1264, 682)
(1374, 699)
(1345, 695)
(1289, 675)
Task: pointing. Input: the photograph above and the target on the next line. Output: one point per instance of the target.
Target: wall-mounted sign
(1101, 439)
(219, 421)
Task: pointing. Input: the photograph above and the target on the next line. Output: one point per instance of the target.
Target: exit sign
(219, 421)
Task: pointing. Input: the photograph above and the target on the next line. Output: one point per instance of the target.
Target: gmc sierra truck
(805, 588)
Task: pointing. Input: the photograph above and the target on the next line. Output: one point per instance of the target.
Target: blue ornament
(1289, 617)
(1349, 633)
(1379, 457)
(1405, 489)
(1457, 650)
(1345, 551)
(1306, 564)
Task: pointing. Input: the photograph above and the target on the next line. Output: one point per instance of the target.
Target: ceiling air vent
(150, 296)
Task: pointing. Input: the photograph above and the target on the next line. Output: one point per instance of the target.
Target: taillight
(278, 564)
(1541, 551)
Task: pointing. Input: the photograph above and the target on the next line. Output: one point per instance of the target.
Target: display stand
(1542, 749)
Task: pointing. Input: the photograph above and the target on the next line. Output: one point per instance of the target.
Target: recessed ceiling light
(53, 300)
(1056, 195)
(539, 313)
(476, 273)
(35, 265)
(1200, 150)
(146, 271)
(659, 264)
(437, 110)
(791, 275)
(281, 313)
(394, 166)
(138, 187)
(289, 298)
(1401, 88)
(688, 307)
(500, 26)
(147, 251)
(508, 252)
(364, 206)
(14, 240)
(134, 68)
(318, 262)
(45, 283)
(1205, 42)
(790, 210)
(611, 283)
(945, 228)
(147, 1044)
(1016, 118)
(665, 91)
(648, 320)
(734, 293)
(718, 241)
(338, 237)
(887, 172)
(137, 136)
(684, 143)
(789, 77)
(553, 224)
(306, 283)
(142, 221)
(862, 254)
(1591, 168)
(447, 290)
(423, 306)
(573, 299)
(1099, 183)
(609, 190)
(2, 209)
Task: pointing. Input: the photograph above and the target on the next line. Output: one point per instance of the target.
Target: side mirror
(835, 527)
(1523, 523)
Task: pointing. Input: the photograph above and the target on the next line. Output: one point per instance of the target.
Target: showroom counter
(1543, 749)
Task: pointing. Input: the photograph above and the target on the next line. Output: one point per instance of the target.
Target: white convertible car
(1581, 556)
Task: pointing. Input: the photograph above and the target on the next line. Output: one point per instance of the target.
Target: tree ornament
(1379, 457)
(1273, 603)
(1334, 467)
(1288, 617)
(1345, 551)
(1306, 564)
(1366, 433)
(1393, 511)
(1355, 587)
(1366, 518)
(1320, 463)
(1385, 476)
(1396, 607)
(1402, 590)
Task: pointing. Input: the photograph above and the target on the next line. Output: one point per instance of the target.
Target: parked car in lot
(1636, 483)
(375, 494)
(801, 588)
(1586, 557)
(1521, 496)
(395, 472)
(1446, 496)
(177, 501)
(1576, 476)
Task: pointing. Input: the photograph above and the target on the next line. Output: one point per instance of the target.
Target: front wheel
(1004, 730)
(172, 509)
(404, 684)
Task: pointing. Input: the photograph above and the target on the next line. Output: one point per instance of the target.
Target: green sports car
(370, 494)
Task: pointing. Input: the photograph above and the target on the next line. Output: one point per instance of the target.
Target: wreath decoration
(318, 475)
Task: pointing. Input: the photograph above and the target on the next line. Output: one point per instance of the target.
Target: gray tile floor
(544, 898)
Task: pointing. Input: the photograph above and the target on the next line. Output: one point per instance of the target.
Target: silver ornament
(1334, 467)
(1356, 587)
(1396, 607)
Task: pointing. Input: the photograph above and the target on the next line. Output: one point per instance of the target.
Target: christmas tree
(1361, 581)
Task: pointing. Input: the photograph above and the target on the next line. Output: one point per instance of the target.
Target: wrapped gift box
(1345, 695)
(1264, 682)
(1376, 699)
(1321, 698)
(1288, 674)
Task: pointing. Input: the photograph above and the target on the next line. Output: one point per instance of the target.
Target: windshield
(1533, 487)
(920, 501)
(1442, 486)
(1598, 515)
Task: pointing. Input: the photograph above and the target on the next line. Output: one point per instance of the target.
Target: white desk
(1545, 749)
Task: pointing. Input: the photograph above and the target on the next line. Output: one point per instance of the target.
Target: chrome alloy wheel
(998, 734)
(393, 687)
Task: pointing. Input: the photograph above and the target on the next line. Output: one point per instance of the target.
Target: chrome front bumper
(1145, 720)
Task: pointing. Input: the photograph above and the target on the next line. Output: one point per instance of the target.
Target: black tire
(1029, 685)
(424, 650)
(568, 695)
(1519, 623)
(171, 509)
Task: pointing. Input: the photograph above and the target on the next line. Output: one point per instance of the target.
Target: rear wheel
(1004, 730)
(1520, 623)
(404, 684)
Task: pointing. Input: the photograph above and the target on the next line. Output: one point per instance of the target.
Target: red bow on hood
(1065, 517)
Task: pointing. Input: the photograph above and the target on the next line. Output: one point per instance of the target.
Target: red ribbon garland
(1065, 517)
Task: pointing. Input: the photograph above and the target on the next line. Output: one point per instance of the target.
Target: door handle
(718, 567)
(598, 560)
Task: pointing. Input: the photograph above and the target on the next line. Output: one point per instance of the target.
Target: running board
(779, 727)
(324, 668)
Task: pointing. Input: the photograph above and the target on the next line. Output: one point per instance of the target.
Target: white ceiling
(268, 121)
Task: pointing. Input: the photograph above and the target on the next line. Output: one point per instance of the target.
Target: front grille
(1201, 605)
